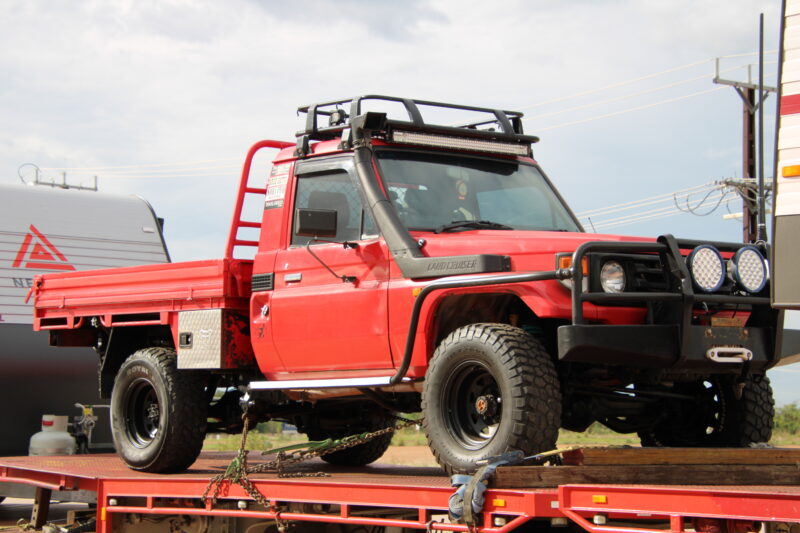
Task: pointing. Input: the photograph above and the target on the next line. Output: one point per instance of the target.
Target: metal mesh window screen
(332, 191)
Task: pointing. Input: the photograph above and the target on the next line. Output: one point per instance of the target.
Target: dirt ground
(408, 455)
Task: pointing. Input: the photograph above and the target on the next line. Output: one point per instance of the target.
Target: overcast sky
(179, 90)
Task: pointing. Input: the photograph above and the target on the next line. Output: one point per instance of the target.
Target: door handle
(293, 277)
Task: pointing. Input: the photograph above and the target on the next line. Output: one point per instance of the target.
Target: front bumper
(666, 346)
(673, 340)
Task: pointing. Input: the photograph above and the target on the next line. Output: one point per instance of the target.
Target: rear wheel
(490, 388)
(368, 418)
(158, 413)
(716, 417)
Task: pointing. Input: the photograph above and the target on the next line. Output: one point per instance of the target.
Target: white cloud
(129, 82)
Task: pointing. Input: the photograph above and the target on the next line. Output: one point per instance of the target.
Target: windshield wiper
(481, 224)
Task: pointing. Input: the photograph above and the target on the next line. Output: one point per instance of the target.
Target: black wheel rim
(472, 405)
(142, 413)
(698, 422)
(709, 410)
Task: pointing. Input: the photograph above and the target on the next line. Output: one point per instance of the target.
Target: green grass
(269, 436)
(257, 440)
(596, 435)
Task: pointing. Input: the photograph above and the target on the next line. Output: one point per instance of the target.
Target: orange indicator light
(791, 171)
(565, 261)
(599, 498)
(498, 502)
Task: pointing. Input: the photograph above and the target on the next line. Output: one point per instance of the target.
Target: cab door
(320, 322)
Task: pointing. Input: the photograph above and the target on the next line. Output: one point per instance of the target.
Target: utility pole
(748, 91)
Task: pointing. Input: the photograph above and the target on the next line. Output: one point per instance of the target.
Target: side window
(334, 190)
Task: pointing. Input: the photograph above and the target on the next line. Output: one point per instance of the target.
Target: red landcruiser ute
(406, 266)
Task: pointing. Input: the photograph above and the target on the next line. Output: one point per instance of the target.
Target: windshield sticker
(276, 186)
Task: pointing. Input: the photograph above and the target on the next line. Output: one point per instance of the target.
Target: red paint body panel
(320, 323)
(311, 324)
(223, 283)
(530, 251)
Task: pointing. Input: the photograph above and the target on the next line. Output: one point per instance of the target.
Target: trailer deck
(393, 496)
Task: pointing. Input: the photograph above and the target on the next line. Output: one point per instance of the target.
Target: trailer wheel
(490, 389)
(716, 417)
(371, 418)
(158, 413)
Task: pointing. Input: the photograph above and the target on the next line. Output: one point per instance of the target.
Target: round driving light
(612, 277)
(706, 267)
(750, 269)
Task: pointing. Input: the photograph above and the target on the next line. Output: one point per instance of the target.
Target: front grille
(647, 274)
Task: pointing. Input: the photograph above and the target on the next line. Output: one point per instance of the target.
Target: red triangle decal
(43, 256)
(40, 254)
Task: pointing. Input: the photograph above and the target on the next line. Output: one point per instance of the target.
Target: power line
(633, 95)
(644, 201)
(719, 197)
(168, 176)
(148, 165)
(615, 99)
(615, 85)
(159, 176)
(635, 80)
(122, 173)
(714, 191)
(630, 110)
(748, 54)
(695, 209)
(651, 214)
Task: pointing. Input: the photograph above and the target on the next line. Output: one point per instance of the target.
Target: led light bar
(459, 143)
(707, 268)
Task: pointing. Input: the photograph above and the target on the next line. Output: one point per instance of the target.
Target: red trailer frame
(410, 496)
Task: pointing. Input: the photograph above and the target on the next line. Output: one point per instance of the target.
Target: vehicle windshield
(435, 191)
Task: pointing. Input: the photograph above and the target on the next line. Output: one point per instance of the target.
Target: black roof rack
(507, 124)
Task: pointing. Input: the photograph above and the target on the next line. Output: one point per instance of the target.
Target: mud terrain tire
(717, 418)
(490, 388)
(158, 413)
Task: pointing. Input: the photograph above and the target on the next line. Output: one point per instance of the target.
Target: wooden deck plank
(517, 477)
(683, 456)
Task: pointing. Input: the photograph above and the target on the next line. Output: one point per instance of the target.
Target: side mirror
(315, 223)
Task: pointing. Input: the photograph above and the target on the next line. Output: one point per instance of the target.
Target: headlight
(749, 269)
(706, 267)
(612, 277)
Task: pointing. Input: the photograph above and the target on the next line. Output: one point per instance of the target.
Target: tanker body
(42, 230)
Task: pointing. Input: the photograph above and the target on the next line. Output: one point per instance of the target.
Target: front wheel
(716, 415)
(490, 389)
(158, 413)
